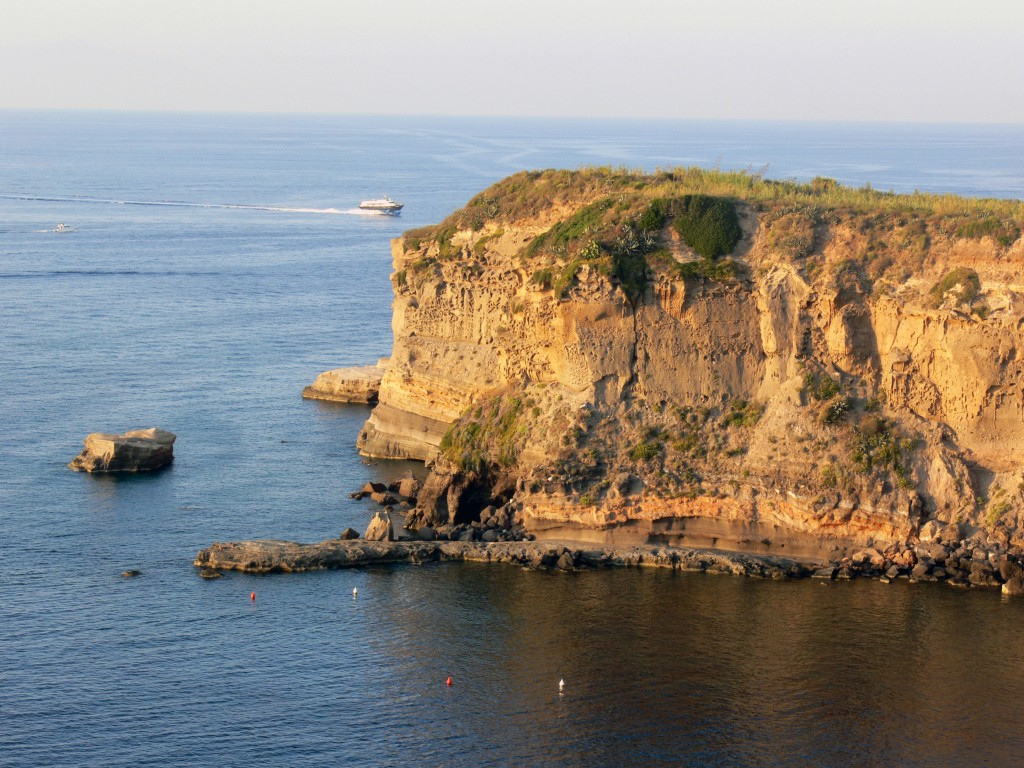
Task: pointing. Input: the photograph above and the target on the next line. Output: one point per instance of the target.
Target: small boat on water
(63, 228)
(384, 205)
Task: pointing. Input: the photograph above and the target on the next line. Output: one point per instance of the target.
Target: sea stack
(139, 450)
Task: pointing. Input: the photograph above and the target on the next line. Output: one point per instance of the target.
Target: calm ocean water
(214, 270)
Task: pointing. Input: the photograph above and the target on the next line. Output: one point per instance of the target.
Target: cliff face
(837, 367)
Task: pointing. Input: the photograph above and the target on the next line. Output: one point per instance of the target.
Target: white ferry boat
(384, 205)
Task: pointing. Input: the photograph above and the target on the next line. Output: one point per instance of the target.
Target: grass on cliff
(962, 283)
(532, 195)
(491, 434)
(615, 220)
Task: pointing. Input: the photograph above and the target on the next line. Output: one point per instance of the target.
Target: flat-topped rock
(275, 556)
(139, 450)
(348, 385)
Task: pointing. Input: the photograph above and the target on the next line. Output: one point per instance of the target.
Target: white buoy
(355, 591)
(561, 685)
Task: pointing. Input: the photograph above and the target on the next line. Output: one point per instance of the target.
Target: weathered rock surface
(380, 527)
(823, 397)
(139, 450)
(348, 385)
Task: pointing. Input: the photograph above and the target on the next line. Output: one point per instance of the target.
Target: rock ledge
(275, 556)
(348, 385)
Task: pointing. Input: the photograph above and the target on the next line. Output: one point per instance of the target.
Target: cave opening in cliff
(473, 499)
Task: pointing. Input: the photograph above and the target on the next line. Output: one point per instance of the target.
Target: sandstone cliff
(711, 359)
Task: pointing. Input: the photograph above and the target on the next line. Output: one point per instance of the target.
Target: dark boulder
(982, 575)
(566, 562)
(1010, 569)
(408, 487)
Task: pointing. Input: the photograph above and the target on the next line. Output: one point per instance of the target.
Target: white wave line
(185, 204)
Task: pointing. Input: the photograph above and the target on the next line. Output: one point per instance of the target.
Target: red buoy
(448, 682)
(252, 596)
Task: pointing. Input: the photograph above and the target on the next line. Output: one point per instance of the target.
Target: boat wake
(187, 204)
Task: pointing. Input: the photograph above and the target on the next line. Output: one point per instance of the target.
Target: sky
(874, 60)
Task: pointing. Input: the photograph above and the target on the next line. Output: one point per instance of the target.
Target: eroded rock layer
(711, 359)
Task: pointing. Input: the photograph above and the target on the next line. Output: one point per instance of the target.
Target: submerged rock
(139, 450)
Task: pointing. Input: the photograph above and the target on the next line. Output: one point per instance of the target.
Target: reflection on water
(668, 669)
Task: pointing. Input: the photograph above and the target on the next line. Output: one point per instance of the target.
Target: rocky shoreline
(963, 563)
(275, 556)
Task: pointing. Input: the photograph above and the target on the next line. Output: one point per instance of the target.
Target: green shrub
(645, 450)
(995, 511)
(583, 224)
(480, 246)
(708, 224)
(882, 450)
(1003, 232)
(720, 271)
(821, 387)
(742, 414)
(687, 442)
(828, 476)
(963, 280)
(565, 279)
(654, 216)
(630, 269)
(445, 249)
(486, 436)
(543, 278)
(834, 411)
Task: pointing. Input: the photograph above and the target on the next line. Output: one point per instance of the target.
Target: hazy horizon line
(465, 116)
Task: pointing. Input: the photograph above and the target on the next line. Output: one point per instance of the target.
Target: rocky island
(712, 360)
(138, 450)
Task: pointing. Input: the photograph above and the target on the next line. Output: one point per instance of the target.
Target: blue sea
(215, 266)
